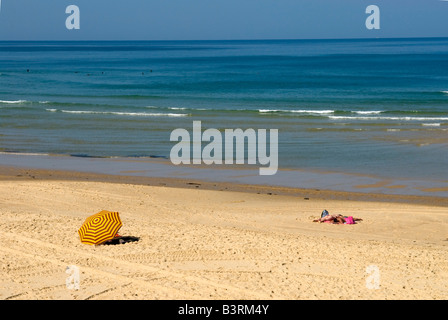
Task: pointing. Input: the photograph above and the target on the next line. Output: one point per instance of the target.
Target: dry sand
(212, 244)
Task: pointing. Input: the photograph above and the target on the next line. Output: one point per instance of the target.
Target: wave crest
(133, 114)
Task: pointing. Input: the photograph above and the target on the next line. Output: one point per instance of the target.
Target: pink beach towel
(349, 220)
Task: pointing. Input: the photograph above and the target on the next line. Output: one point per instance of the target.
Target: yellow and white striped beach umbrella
(100, 227)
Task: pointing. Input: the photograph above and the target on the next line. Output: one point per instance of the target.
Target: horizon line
(223, 40)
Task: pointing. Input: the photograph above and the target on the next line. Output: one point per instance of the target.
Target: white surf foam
(367, 112)
(133, 114)
(12, 101)
(296, 111)
(389, 118)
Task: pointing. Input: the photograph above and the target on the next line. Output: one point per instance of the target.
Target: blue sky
(220, 19)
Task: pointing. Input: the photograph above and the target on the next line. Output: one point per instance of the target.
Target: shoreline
(11, 173)
(287, 181)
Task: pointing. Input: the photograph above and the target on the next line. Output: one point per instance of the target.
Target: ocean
(376, 107)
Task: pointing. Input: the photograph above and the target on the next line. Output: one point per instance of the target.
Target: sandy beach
(215, 242)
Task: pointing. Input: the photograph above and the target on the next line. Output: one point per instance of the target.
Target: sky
(221, 19)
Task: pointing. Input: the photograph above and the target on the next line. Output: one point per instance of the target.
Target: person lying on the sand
(335, 219)
(331, 218)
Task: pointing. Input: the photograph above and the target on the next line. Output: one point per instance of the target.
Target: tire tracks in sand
(167, 283)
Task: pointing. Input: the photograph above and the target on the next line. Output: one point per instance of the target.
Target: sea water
(373, 107)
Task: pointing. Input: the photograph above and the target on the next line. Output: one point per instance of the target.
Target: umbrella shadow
(121, 240)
